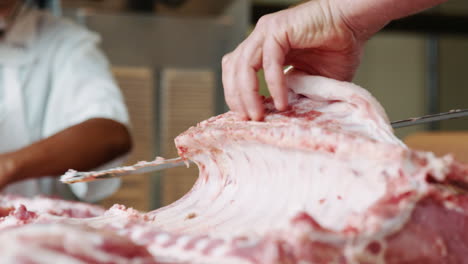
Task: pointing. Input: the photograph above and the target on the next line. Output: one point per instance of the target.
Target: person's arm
(367, 17)
(85, 122)
(82, 147)
(320, 37)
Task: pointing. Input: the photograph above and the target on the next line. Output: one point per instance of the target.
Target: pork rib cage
(324, 182)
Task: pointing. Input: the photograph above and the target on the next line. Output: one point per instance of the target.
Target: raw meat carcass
(324, 182)
(57, 243)
(13, 211)
(52, 206)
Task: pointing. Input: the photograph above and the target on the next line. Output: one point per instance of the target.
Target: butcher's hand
(313, 37)
(320, 37)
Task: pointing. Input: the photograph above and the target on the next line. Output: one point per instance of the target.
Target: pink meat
(68, 244)
(324, 182)
(333, 158)
(53, 206)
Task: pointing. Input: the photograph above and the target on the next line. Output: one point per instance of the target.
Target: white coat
(53, 76)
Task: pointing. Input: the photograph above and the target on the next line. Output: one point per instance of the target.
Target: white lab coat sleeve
(83, 88)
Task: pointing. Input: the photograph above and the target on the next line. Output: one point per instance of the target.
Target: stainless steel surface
(430, 118)
(73, 176)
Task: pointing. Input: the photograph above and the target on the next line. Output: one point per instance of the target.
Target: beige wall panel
(137, 86)
(187, 97)
(101, 5)
(393, 71)
(459, 7)
(195, 8)
(454, 79)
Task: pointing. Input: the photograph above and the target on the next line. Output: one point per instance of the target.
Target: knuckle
(225, 60)
(272, 83)
(264, 20)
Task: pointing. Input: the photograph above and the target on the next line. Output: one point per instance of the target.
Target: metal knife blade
(72, 176)
(430, 118)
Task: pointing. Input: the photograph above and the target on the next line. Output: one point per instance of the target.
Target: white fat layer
(42, 242)
(254, 180)
(182, 241)
(202, 244)
(359, 111)
(248, 192)
(162, 238)
(177, 253)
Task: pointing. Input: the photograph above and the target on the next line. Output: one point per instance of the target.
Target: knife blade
(457, 113)
(73, 176)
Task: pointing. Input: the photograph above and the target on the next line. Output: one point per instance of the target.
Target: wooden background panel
(102, 5)
(137, 86)
(187, 97)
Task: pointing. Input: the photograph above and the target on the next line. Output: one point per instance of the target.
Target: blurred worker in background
(320, 37)
(59, 105)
